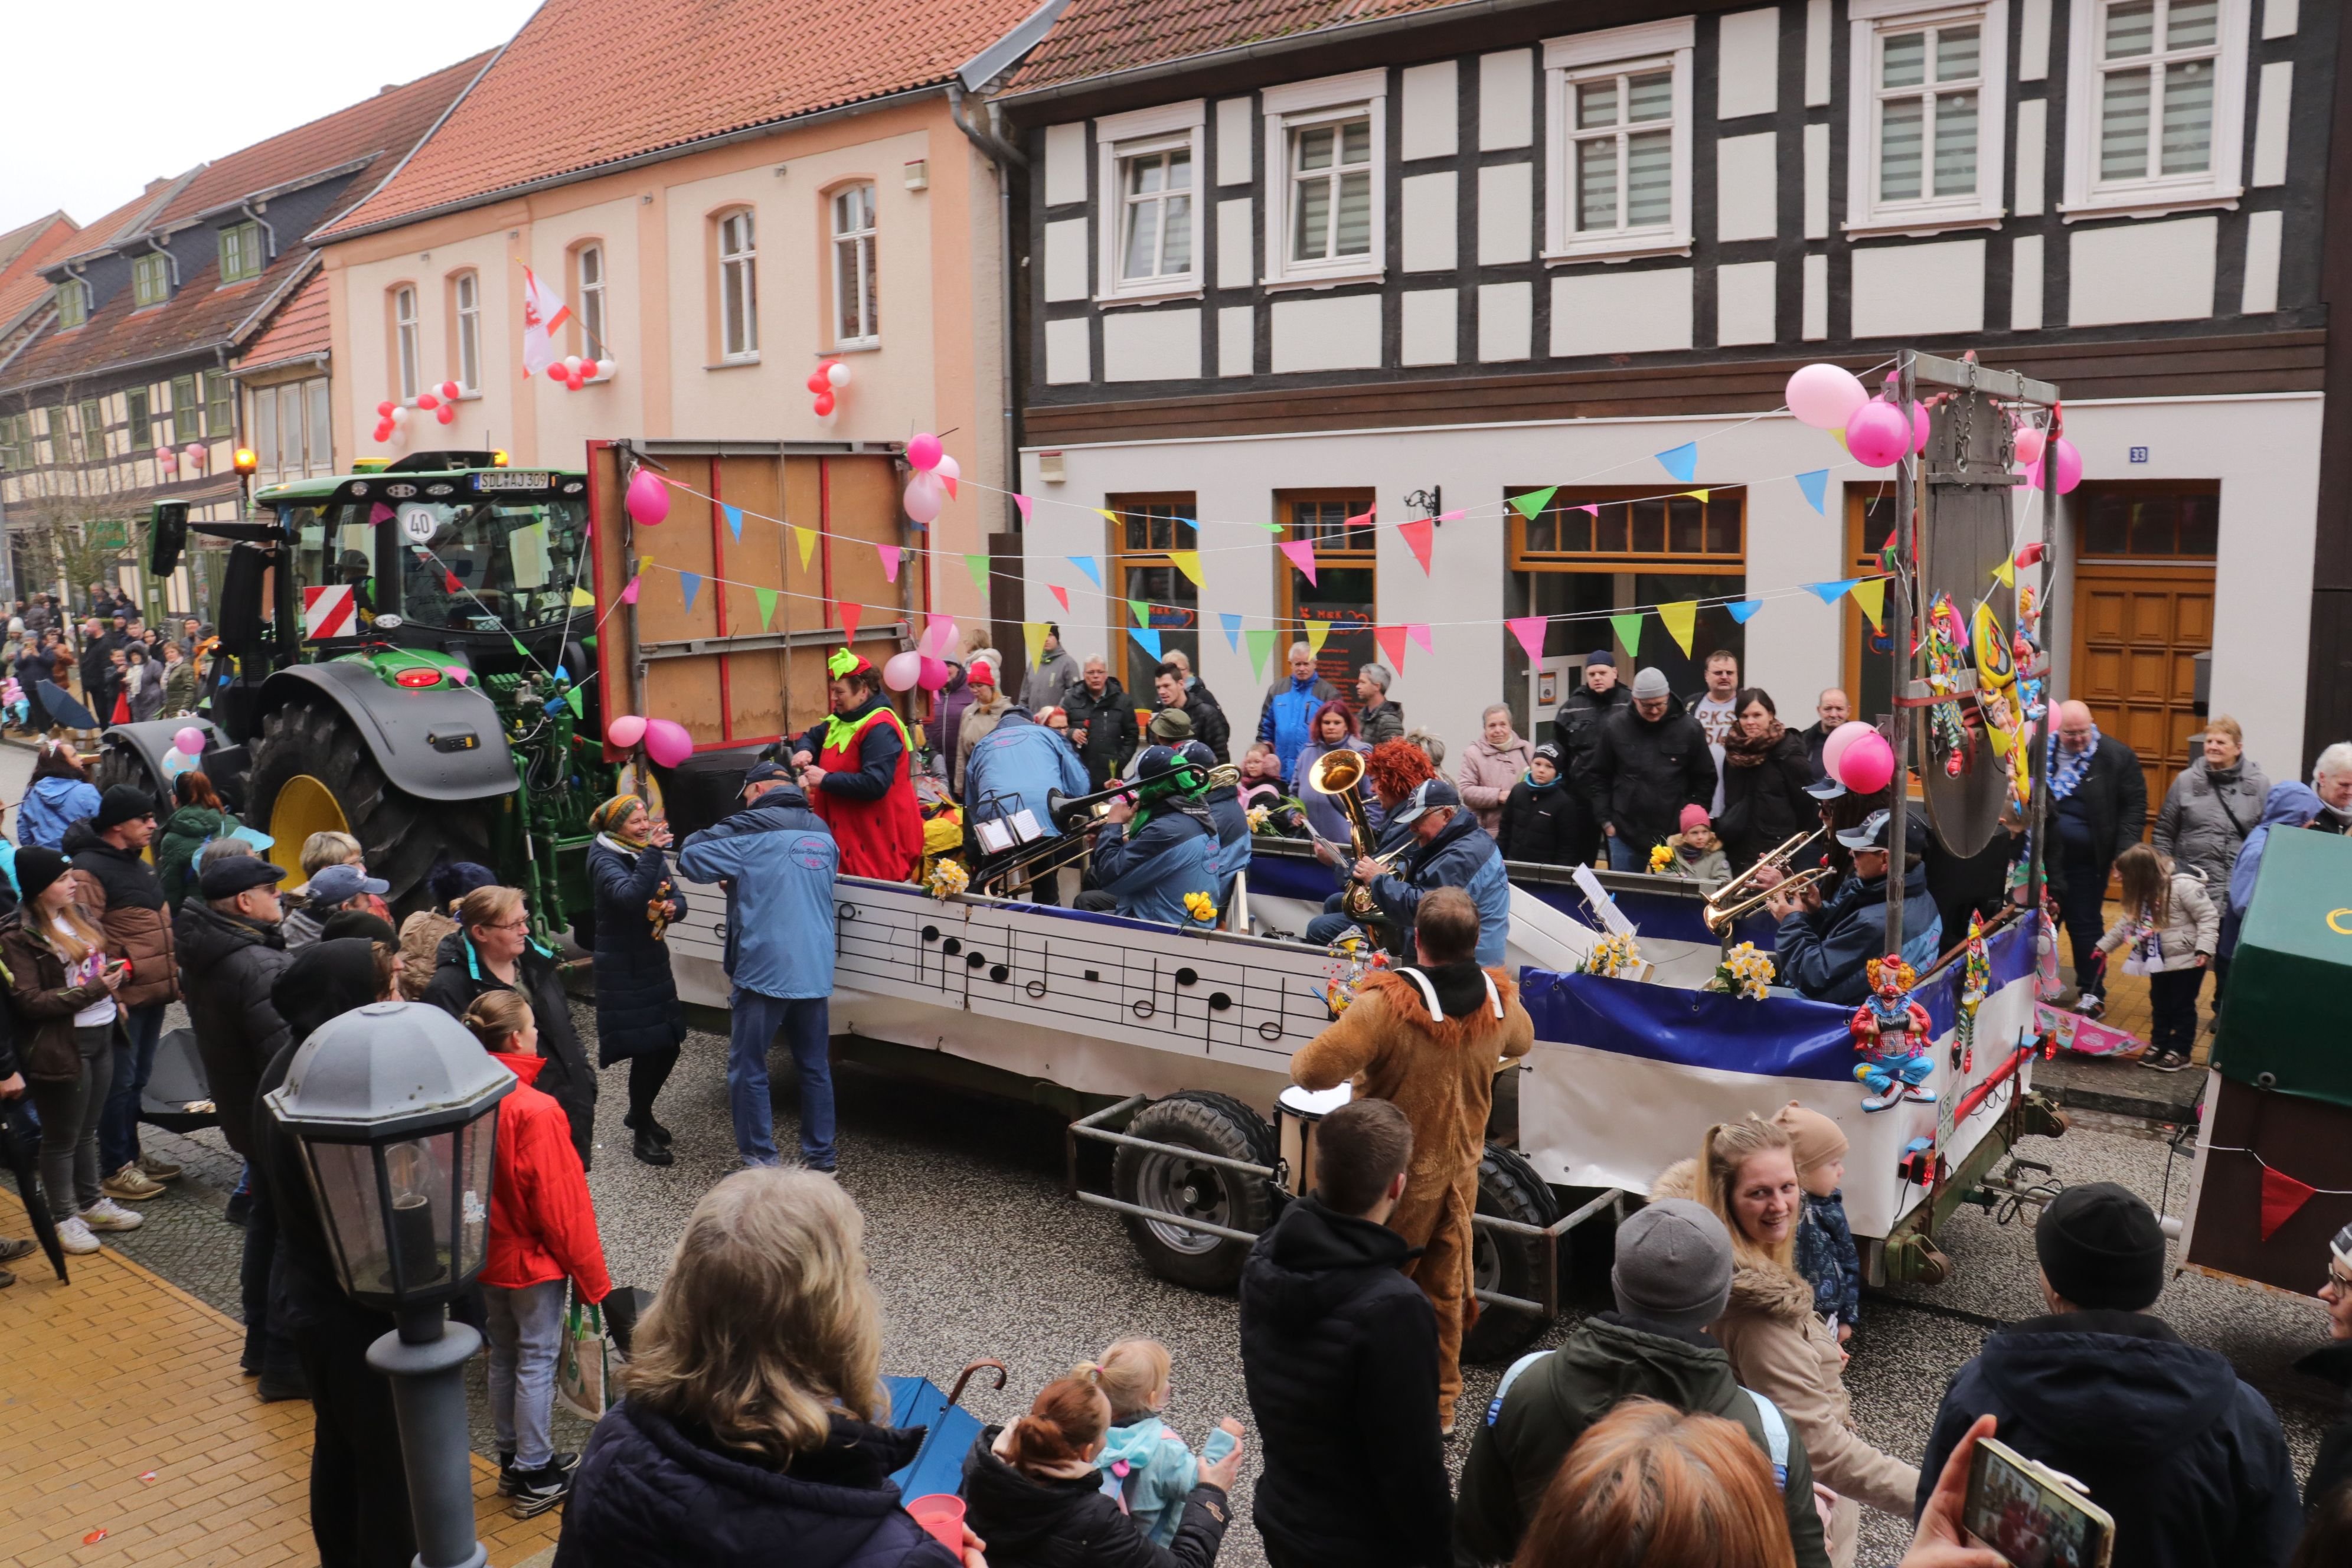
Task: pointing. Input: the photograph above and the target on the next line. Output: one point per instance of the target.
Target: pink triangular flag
(1362, 519)
(1302, 555)
(1589, 509)
(850, 613)
(1456, 516)
(1023, 502)
(629, 594)
(1392, 641)
(890, 553)
(1060, 594)
(1418, 535)
(1529, 630)
(1420, 634)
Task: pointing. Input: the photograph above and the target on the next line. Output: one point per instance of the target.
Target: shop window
(1343, 599)
(1149, 527)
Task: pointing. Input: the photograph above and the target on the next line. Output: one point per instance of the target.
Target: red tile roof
(298, 331)
(1095, 37)
(588, 82)
(23, 253)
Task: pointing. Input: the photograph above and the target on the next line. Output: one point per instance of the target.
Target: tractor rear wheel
(312, 771)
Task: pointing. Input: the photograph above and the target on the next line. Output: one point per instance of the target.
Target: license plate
(509, 480)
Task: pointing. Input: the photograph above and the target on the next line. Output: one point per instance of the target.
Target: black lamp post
(393, 1103)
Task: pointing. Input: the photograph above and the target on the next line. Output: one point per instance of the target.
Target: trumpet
(1340, 775)
(1746, 892)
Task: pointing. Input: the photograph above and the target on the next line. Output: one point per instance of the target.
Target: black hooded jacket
(227, 965)
(2332, 1466)
(2188, 1459)
(459, 975)
(1643, 772)
(1109, 723)
(1033, 1523)
(1339, 1356)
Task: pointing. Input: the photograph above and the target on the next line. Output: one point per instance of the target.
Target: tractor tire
(309, 764)
(1509, 1188)
(124, 765)
(1214, 1124)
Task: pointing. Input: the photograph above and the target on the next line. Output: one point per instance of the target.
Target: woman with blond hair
(1649, 1484)
(492, 949)
(751, 1427)
(1746, 1174)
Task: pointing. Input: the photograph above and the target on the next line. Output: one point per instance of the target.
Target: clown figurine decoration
(1891, 1031)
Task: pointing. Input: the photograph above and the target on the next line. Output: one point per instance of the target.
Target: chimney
(154, 186)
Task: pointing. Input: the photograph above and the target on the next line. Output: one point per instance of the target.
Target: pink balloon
(923, 501)
(190, 740)
(1918, 427)
(2029, 446)
(1844, 735)
(1867, 765)
(667, 742)
(1825, 396)
(939, 635)
(923, 452)
(1874, 434)
(648, 498)
(947, 473)
(2070, 464)
(934, 674)
(625, 731)
(195, 456)
(903, 670)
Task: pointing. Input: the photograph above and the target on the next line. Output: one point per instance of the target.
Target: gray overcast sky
(101, 99)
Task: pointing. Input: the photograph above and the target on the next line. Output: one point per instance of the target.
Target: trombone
(1746, 892)
(1340, 775)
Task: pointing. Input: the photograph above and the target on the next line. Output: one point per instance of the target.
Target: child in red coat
(542, 1233)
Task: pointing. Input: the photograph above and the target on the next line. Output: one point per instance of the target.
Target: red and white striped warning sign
(329, 612)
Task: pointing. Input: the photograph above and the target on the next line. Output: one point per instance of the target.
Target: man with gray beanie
(2188, 1459)
(1672, 1277)
(1650, 761)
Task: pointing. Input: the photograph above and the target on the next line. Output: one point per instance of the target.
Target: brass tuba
(1340, 775)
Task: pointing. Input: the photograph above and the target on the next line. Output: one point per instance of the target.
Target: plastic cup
(941, 1513)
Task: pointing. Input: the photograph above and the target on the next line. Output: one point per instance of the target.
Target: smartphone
(2035, 1516)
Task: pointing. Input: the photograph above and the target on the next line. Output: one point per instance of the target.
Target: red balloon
(427, 401)
(816, 380)
(823, 403)
(448, 415)
(384, 408)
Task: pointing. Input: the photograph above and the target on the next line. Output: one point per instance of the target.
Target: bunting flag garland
(1147, 640)
(1108, 515)
(1392, 641)
(734, 520)
(449, 582)
(851, 614)
(1699, 496)
(1533, 502)
(1023, 502)
(581, 599)
(2282, 1196)
(2006, 573)
(1061, 595)
(1233, 625)
(1317, 633)
(1141, 610)
(977, 564)
(1086, 563)
(629, 594)
(692, 583)
(1302, 555)
(1529, 630)
(526, 653)
(1271, 527)
(766, 598)
(1188, 561)
(1418, 536)
(1681, 621)
(1831, 593)
(1418, 632)
(1681, 461)
(1261, 647)
(890, 553)
(1629, 632)
(1033, 633)
(1871, 594)
(1361, 519)
(1744, 609)
(1454, 516)
(1590, 508)
(1815, 485)
(806, 539)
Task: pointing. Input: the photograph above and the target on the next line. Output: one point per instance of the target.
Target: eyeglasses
(2337, 1278)
(522, 924)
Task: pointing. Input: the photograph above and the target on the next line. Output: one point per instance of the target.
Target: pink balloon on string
(1867, 765)
(648, 498)
(1844, 735)
(939, 635)
(923, 452)
(1918, 427)
(1825, 396)
(924, 501)
(625, 731)
(667, 742)
(903, 670)
(2029, 446)
(190, 740)
(2069, 464)
(1874, 434)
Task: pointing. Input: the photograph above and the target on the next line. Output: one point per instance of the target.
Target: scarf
(2068, 768)
(606, 820)
(1742, 750)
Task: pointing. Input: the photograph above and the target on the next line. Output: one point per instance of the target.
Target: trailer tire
(402, 838)
(1214, 1124)
(1509, 1188)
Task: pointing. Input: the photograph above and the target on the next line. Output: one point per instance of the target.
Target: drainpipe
(252, 210)
(1002, 155)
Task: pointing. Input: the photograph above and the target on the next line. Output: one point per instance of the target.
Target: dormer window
(241, 256)
(73, 303)
(150, 279)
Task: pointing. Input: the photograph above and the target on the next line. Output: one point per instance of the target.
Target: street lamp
(393, 1105)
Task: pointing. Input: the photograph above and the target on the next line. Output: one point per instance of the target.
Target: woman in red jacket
(543, 1233)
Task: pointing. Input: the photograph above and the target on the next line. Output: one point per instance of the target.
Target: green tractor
(404, 655)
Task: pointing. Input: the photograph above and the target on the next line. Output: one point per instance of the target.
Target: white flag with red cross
(543, 314)
(331, 612)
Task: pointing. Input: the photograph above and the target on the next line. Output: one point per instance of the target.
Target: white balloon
(571, 361)
(607, 367)
(837, 374)
(400, 415)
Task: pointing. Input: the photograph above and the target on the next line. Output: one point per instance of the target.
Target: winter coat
(2188, 1459)
(1643, 773)
(2111, 796)
(1071, 1522)
(1339, 1358)
(1380, 721)
(1048, 684)
(778, 863)
(1015, 767)
(1462, 855)
(1828, 1259)
(121, 892)
(41, 1005)
(2206, 817)
(182, 837)
(1151, 1471)
(1576, 725)
(1551, 1398)
(649, 1493)
(1486, 776)
(1323, 813)
(2291, 805)
(944, 728)
(52, 806)
(638, 1009)
(1209, 726)
(459, 975)
(1232, 855)
(1764, 800)
(228, 964)
(1815, 737)
(179, 688)
(543, 1227)
(1710, 868)
(978, 719)
(1286, 715)
(1821, 952)
(2332, 1466)
(1150, 872)
(1786, 1353)
(2192, 926)
(1537, 820)
(420, 935)
(1108, 721)
(147, 698)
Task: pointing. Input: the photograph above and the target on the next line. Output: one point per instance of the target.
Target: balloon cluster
(573, 371)
(665, 739)
(825, 384)
(934, 484)
(393, 419)
(925, 664)
(193, 456)
(1859, 757)
(1831, 397)
(647, 499)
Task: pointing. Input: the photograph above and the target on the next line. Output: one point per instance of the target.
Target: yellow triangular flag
(1700, 496)
(644, 562)
(2006, 573)
(1681, 620)
(1034, 634)
(1871, 594)
(1318, 633)
(806, 539)
(581, 599)
(1839, 433)
(1109, 516)
(1188, 561)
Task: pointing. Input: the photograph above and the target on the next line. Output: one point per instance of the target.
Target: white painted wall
(1748, 79)
(1507, 95)
(1151, 345)
(1432, 115)
(1428, 328)
(2143, 272)
(1326, 335)
(1506, 321)
(1066, 259)
(1746, 187)
(1744, 300)
(1621, 312)
(1905, 289)
(1428, 216)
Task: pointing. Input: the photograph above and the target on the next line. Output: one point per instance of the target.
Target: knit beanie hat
(1692, 816)
(1815, 1140)
(1651, 683)
(2099, 1245)
(36, 867)
(1674, 1266)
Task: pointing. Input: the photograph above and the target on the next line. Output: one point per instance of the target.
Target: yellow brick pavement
(122, 1410)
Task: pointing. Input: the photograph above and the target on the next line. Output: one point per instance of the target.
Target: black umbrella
(63, 709)
(20, 1143)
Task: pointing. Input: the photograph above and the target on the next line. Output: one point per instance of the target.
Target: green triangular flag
(1261, 649)
(1629, 632)
(1141, 610)
(767, 601)
(977, 565)
(518, 648)
(579, 702)
(1534, 502)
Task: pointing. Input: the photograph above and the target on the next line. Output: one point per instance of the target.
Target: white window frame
(1646, 48)
(1302, 105)
(747, 351)
(1980, 208)
(465, 305)
(407, 343)
(2219, 185)
(1139, 133)
(862, 245)
(593, 299)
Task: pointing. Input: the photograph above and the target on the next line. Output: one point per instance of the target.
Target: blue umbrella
(950, 1429)
(63, 709)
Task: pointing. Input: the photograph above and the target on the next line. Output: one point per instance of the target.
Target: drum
(1296, 1114)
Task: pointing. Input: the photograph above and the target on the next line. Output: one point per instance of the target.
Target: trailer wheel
(1509, 1188)
(1214, 1124)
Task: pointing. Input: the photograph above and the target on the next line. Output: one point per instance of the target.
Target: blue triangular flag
(1681, 461)
(1149, 640)
(1232, 629)
(1831, 593)
(563, 674)
(1086, 563)
(692, 583)
(1744, 609)
(1815, 485)
(734, 519)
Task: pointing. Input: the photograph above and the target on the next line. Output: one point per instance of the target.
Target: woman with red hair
(1648, 1484)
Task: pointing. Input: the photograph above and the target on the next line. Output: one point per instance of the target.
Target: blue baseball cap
(1432, 795)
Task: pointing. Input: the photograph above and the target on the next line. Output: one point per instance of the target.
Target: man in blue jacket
(1014, 768)
(1146, 874)
(1450, 850)
(1290, 705)
(776, 859)
(2188, 1459)
(1224, 804)
(1824, 947)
